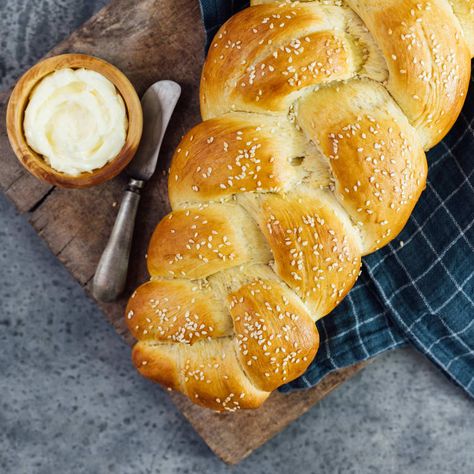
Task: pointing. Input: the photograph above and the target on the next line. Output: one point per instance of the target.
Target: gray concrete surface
(70, 401)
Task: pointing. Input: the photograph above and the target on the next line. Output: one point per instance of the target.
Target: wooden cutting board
(148, 40)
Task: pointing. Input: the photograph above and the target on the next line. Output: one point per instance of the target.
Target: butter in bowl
(74, 120)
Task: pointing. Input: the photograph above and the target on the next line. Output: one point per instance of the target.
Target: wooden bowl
(34, 162)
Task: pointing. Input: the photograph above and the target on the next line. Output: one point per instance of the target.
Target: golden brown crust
(464, 11)
(303, 40)
(316, 58)
(176, 311)
(427, 58)
(197, 242)
(312, 155)
(275, 335)
(233, 154)
(208, 372)
(316, 250)
(378, 164)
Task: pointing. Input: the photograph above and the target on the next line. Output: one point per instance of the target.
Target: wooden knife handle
(111, 274)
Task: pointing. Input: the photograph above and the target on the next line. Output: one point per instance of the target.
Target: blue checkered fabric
(419, 289)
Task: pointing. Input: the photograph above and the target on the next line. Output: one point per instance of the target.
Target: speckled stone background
(70, 401)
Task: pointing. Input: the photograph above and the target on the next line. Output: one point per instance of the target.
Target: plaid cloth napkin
(419, 289)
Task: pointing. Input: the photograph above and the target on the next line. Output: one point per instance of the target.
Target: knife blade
(158, 104)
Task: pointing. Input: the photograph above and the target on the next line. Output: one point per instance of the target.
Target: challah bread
(311, 155)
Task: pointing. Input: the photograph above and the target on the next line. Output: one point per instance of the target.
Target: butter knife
(158, 104)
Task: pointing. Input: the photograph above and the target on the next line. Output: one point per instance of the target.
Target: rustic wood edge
(305, 399)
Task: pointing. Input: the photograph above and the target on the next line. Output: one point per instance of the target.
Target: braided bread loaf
(311, 155)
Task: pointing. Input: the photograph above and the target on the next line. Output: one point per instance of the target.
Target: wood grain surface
(148, 40)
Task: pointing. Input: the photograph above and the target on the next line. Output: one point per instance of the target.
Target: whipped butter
(76, 120)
